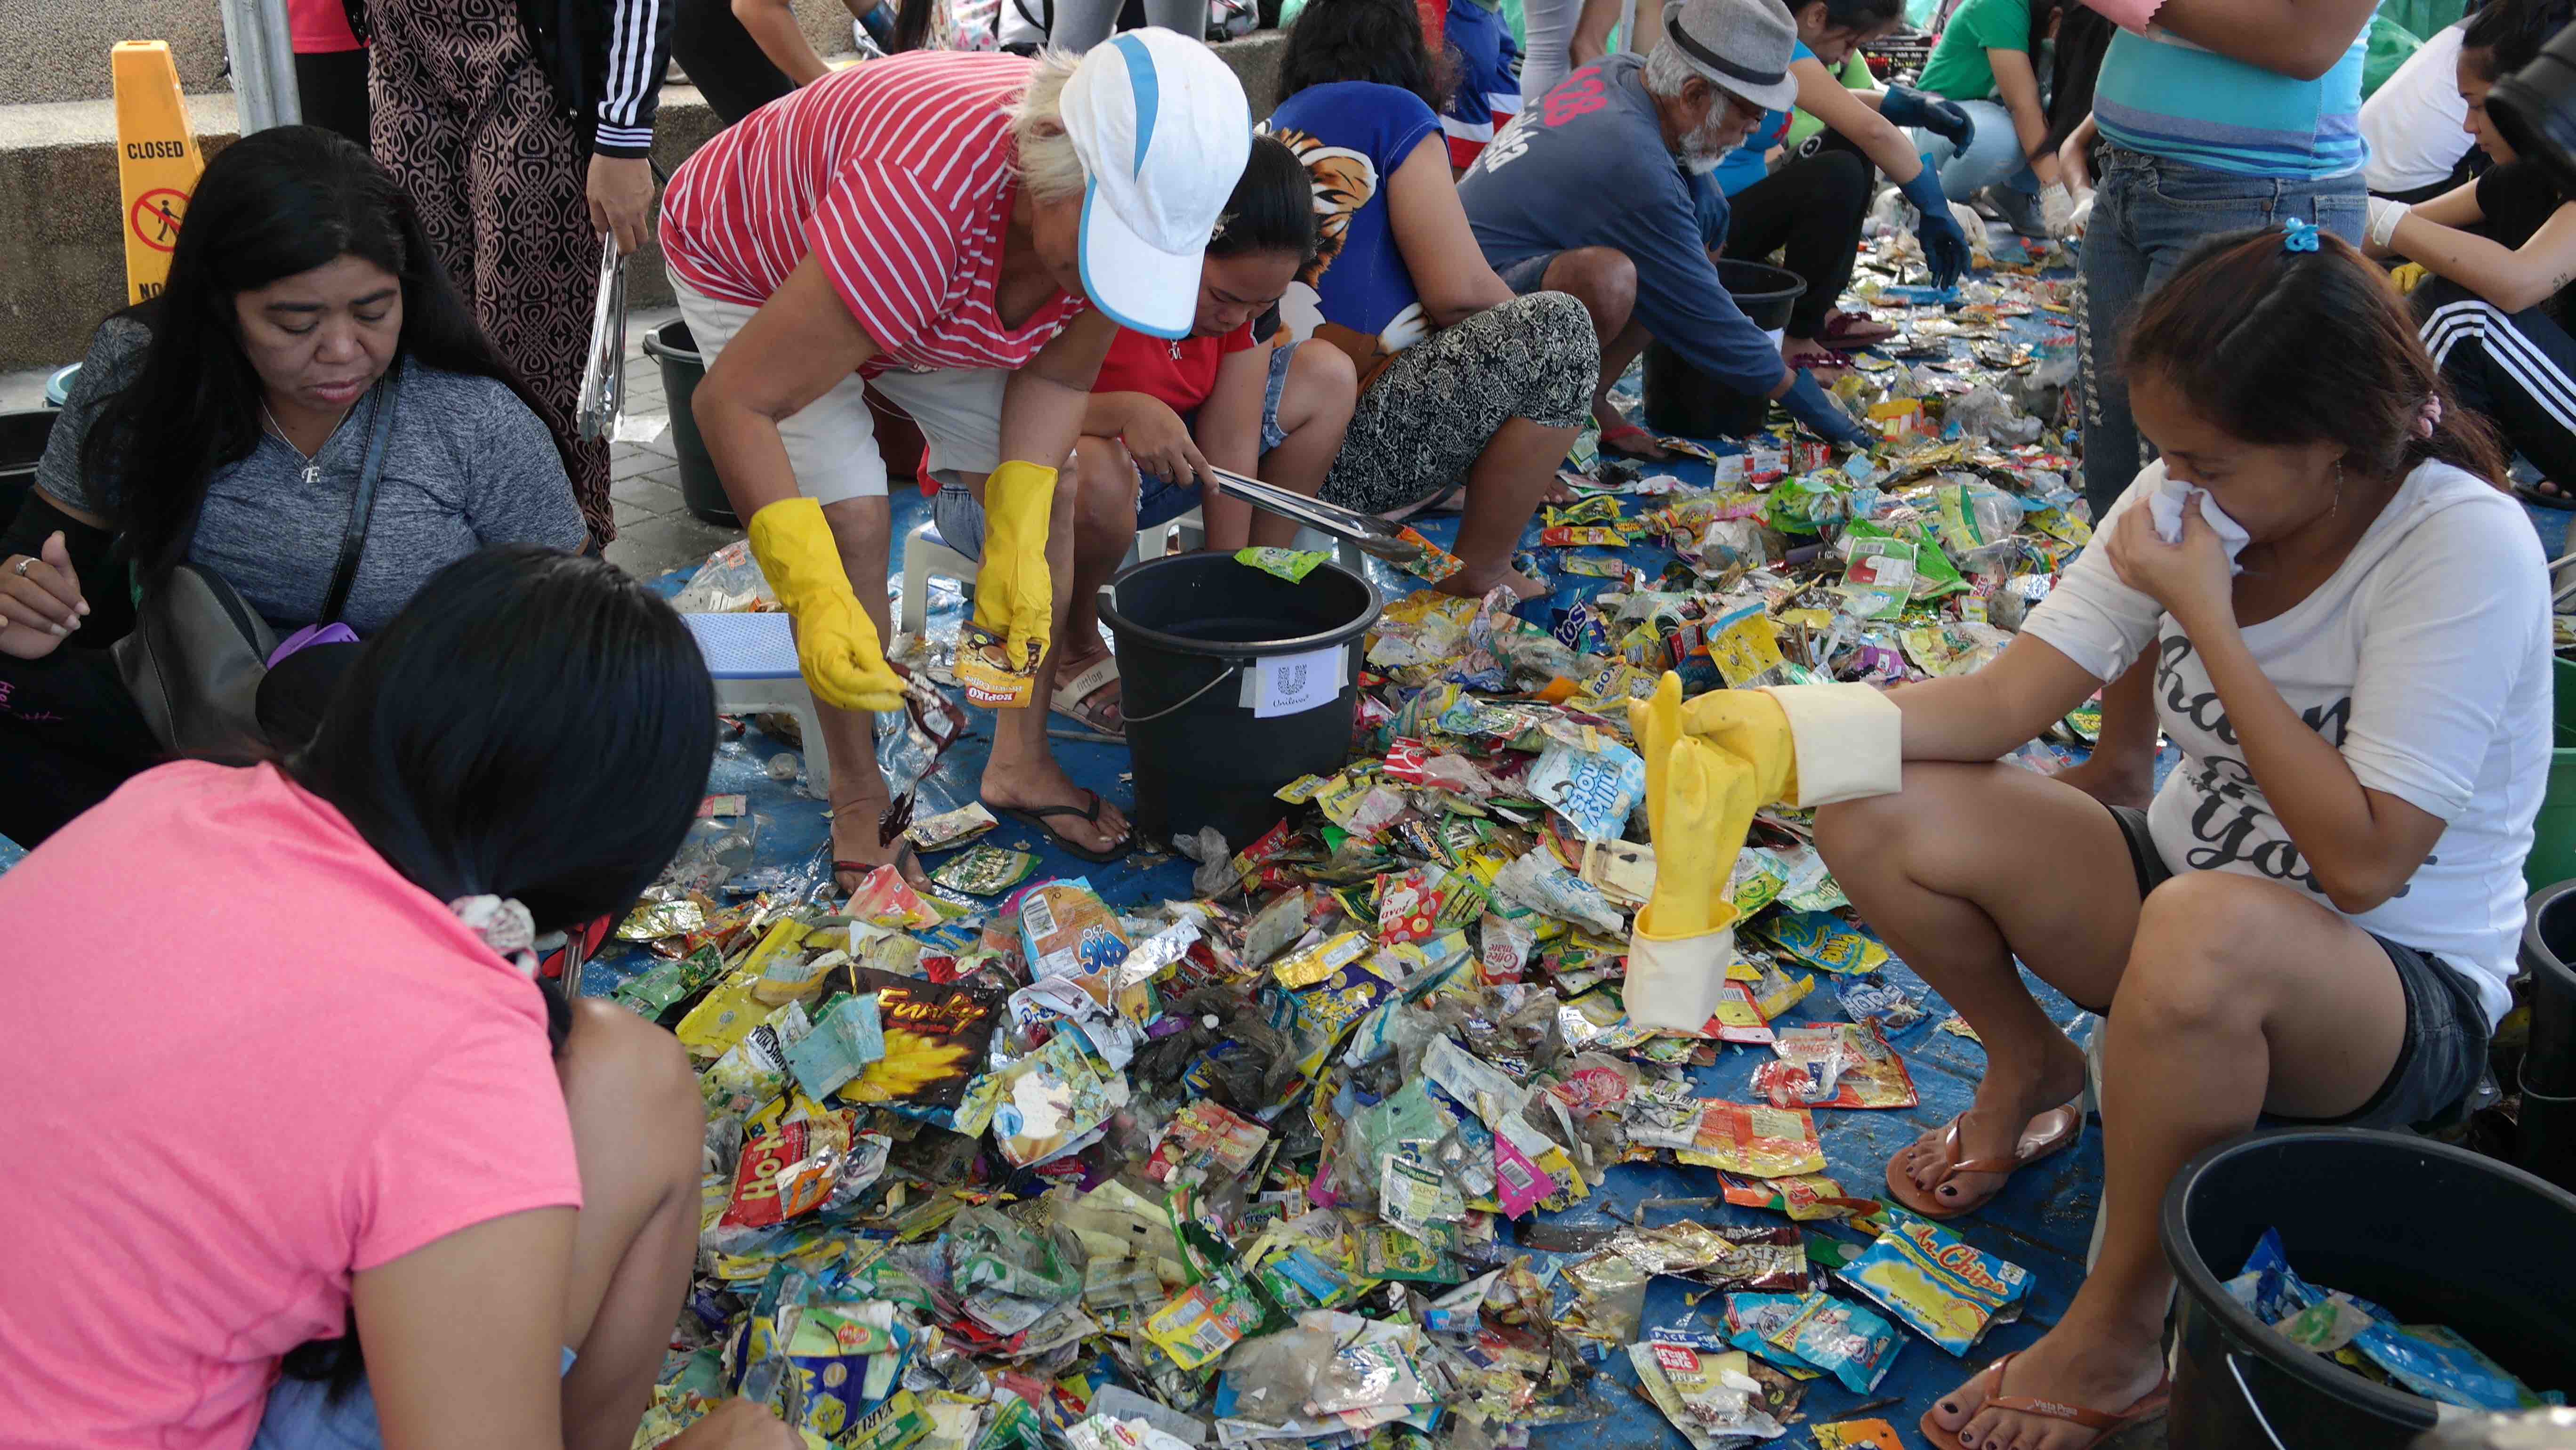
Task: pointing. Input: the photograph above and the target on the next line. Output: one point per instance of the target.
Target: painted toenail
(1949, 1409)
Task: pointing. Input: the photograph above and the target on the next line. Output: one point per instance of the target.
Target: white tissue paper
(2164, 506)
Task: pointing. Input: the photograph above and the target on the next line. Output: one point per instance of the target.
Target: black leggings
(69, 735)
(1810, 210)
(722, 60)
(2518, 368)
(331, 90)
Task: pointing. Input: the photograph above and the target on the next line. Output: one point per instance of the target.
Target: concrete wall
(62, 261)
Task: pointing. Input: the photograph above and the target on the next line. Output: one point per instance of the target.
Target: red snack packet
(1408, 906)
(788, 1170)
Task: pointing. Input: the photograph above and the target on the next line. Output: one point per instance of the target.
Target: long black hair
(534, 725)
(2083, 38)
(1860, 14)
(271, 205)
(2502, 37)
(1272, 208)
(1364, 40)
(2288, 348)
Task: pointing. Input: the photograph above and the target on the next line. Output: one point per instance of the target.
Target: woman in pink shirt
(329, 1098)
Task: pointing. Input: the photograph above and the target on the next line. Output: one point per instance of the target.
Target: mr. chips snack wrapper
(1937, 1282)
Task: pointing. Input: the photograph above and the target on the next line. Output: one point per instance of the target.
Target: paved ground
(655, 533)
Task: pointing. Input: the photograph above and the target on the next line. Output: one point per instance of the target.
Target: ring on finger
(25, 562)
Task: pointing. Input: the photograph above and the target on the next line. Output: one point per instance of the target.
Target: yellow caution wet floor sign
(157, 160)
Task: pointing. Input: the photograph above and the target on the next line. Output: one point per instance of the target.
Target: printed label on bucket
(1288, 684)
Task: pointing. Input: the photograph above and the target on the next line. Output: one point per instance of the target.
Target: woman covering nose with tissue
(2316, 919)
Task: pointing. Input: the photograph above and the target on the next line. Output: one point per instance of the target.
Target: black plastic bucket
(1682, 399)
(22, 446)
(2435, 1234)
(700, 490)
(2547, 1126)
(1189, 629)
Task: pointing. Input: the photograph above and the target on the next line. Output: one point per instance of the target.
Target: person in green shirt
(1985, 61)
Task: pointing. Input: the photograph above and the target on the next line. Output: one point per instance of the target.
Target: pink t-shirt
(247, 1060)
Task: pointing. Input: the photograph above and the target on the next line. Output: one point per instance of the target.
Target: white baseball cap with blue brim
(1163, 131)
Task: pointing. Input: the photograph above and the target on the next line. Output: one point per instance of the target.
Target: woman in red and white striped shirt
(964, 233)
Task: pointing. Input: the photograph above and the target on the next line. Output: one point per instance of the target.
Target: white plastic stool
(926, 554)
(753, 659)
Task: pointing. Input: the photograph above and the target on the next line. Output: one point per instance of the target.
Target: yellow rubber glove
(1707, 808)
(1750, 725)
(1656, 722)
(1014, 593)
(836, 642)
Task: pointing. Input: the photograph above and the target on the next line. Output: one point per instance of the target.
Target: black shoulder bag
(198, 651)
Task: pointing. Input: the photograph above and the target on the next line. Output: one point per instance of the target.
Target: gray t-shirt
(466, 465)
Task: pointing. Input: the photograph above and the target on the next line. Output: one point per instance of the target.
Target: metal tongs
(603, 376)
(1369, 534)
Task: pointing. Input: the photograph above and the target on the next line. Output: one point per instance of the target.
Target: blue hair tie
(2298, 236)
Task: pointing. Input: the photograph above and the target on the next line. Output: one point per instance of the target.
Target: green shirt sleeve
(1958, 68)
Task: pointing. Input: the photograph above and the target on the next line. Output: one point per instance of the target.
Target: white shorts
(832, 440)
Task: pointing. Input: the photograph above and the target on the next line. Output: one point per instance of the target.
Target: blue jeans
(2148, 212)
(1993, 155)
(301, 1415)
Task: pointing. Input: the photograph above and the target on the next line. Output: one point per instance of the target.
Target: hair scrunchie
(505, 927)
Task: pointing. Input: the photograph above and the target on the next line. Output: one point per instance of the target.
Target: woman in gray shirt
(224, 423)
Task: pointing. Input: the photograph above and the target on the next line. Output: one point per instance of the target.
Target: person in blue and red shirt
(1458, 377)
(1487, 90)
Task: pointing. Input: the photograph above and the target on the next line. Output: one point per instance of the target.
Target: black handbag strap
(362, 506)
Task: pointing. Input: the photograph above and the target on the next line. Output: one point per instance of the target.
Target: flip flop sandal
(1036, 818)
(1850, 329)
(1072, 699)
(2103, 1423)
(864, 869)
(2053, 1131)
(2530, 493)
(1611, 439)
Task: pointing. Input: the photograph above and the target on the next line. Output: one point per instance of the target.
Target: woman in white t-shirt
(2417, 123)
(2317, 917)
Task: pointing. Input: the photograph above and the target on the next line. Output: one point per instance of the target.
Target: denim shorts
(2444, 1052)
(1158, 500)
(1527, 275)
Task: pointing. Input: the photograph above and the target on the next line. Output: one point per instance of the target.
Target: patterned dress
(465, 119)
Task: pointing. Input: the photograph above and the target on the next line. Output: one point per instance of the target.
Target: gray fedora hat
(1743, 45)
